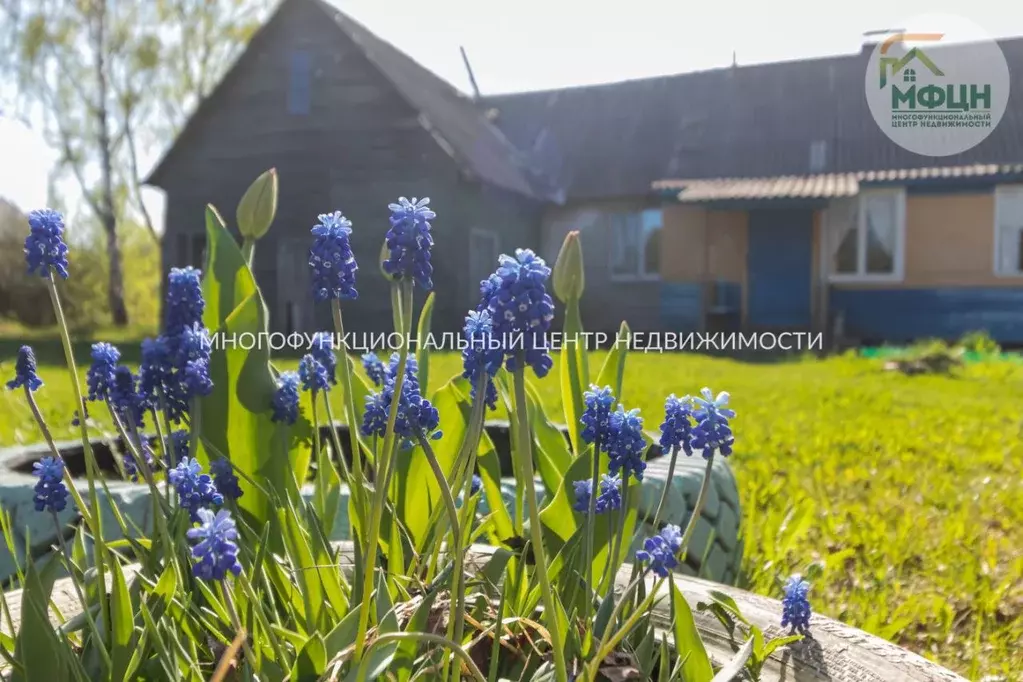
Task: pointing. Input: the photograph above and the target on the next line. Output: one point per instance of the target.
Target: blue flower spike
(100, 376)
(216, 553)
(225, 479)
(661, 550)
(480, 356)
(285, 399)
(627, 445)
(45, 248)
(331, 259)
(712, 431)
(375, 369)
(409, 242)
(677, 429)
(25, 371)
(195, 489)
(50, 491)
(596, 417)
(796, 605)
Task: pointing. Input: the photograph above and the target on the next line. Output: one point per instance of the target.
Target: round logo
(937, 87)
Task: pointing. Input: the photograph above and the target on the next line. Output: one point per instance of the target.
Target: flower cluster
(100, 376)
(131, 468)
(125, 399)
(331, 259)
(313, 374)
(596, 417)
(416, 417)
(676, 431)
(409, 242)
(517, 299)
(608, 499)
(796, 606)
(178, 448)
(216, 553)
(375, 369)
(660, 550)
(322, 349)
(480, 358)
(195, 489)
(50, 491)
(225, 479)
(44, 245)
(626, 443)
(476, 485)
(25, 372)
(285, 400)
(175, 366)
(712, 431)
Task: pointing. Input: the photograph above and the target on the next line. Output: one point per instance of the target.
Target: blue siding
(779, 265)
(947, 313)
(681, 305)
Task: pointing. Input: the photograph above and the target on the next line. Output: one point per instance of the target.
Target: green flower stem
(612, 562)
(474, 670)
(383, 475)
(458, 575)
(194, 426)
(606, 645)
(168, 451)
(249, 251)
(351, 415)
(91, 466)
(701, 499)
(336, 439)
(524, 462)
(236, 621)
(591, 514)
(93, 627)
(667, 487)
(75, 495)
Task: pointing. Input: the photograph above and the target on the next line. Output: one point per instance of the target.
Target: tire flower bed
(237, 579)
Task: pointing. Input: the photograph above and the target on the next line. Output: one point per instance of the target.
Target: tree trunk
(115, 284)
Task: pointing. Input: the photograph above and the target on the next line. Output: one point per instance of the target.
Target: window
(818, 155)
(635, 245)
(867, 235)
(1009, 231)
(300, 82)
(484, 250)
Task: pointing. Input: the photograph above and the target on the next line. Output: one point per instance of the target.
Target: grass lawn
(908, 491)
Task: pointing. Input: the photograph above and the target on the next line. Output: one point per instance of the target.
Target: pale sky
(539, 44)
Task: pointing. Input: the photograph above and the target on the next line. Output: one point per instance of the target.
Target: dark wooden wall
(359, 147)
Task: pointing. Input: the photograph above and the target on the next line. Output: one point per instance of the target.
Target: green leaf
(552, 452)
(258, 206)
(776, 644)
(405, 654)
(343, 634)
(40, 651)
(573, 374)
(734, 666)
(664, 665)
(306, 574)
(607, 607)
(236, 416)
(612, 372)
(697, 667)
(122, 624)
(312, 660)
(423, 334)
(327, 491)
(727, 602)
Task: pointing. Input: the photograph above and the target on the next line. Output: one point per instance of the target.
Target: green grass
(907, 492)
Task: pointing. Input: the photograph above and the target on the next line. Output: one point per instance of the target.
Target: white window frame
(639, 274)
(1002, 193)
(898, 258)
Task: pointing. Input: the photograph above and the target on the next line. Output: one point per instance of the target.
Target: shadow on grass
(49, 350)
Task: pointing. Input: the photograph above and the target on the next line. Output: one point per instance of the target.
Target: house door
(779, 268)
(484, 250)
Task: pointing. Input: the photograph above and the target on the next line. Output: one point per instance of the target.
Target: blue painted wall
(681, 306)
(907, 314)
(779, 263)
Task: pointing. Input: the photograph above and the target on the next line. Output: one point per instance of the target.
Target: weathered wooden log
(835, 652)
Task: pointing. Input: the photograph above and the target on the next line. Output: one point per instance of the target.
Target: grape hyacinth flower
(416, 416)
(44, 245)
(179, 448)
(225, 479)
(131, 469)
(796, 606)
(374, 418)
(479, 357)
(661, 549)
(313, 374)
(100, 376)
(195, 489)
(627, 444)
(517, 299)
(476, 485)
(25, 372)
(712, 431)
(331, 259)
(409, 242)
(596, 417)
(285, 400)
(375, 369)
(50, 491)
(322, 348)
(216, 553)
(126, 400)
(184, 304)
(676, 431)
(608, 499)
